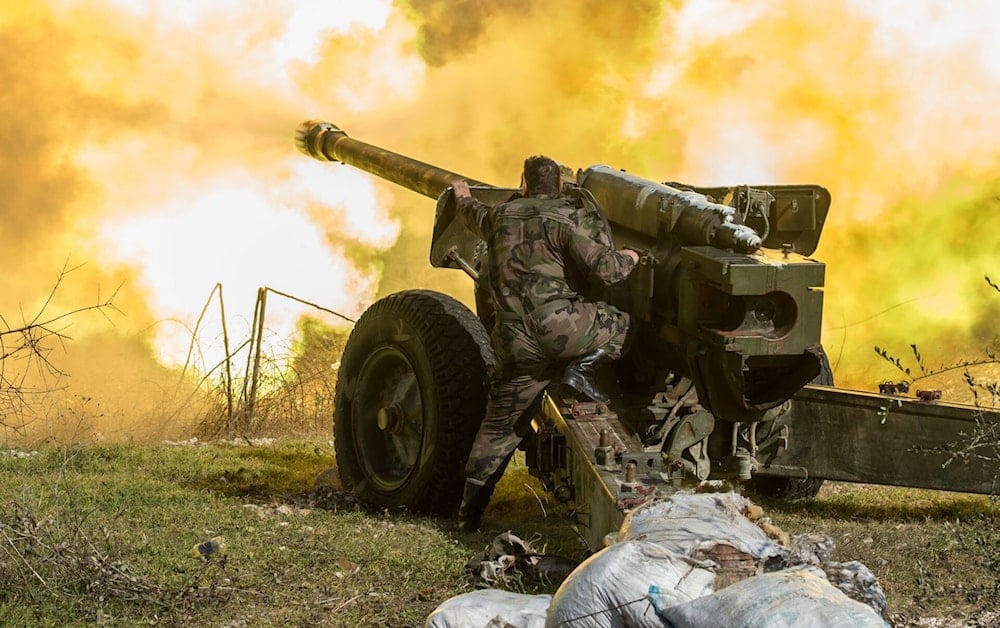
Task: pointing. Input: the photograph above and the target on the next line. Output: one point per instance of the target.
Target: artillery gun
(727, 378)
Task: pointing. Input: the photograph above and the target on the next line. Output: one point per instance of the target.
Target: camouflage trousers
(531, 351)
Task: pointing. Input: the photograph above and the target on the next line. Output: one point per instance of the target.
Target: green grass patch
(104, 534)
(936, 554)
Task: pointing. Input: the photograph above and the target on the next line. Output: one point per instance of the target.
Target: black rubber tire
(787, 489)
(793, 489)
(411, 393)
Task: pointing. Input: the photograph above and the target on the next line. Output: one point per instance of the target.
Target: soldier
(540, 246)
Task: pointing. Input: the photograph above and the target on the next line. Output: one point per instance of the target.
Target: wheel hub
(389, 418)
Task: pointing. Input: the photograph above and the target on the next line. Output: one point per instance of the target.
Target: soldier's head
(541, 176)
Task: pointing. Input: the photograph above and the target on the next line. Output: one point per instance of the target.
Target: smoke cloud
(149, 148)
(151, 144)
(887, 105)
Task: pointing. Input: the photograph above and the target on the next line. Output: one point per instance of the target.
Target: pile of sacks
(691, 560)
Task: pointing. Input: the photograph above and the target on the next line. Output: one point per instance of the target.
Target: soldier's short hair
(541, 175)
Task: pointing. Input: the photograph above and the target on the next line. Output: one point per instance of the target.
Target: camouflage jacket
(537, 245)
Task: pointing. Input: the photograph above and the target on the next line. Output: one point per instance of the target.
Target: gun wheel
(411, 392)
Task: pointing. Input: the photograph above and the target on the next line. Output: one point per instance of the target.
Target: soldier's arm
(472, 211)
(591, 247)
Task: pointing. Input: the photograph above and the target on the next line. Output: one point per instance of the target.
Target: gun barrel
(327, 142)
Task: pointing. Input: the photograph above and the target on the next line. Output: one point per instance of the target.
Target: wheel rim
(388, 419)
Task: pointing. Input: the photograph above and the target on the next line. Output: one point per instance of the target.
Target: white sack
(490, 608)
(783, 599)
(683, 523)
(612, 587)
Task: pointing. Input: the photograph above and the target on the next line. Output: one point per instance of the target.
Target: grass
(298, 556)
(104, 534)
(936, 554)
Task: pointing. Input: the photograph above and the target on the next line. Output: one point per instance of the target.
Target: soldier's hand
(461, 189)
(631, 254)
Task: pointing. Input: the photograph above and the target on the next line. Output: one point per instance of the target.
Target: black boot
(474, 501)
(580, 375)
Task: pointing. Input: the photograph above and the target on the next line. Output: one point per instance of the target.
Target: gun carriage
(726, 379)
